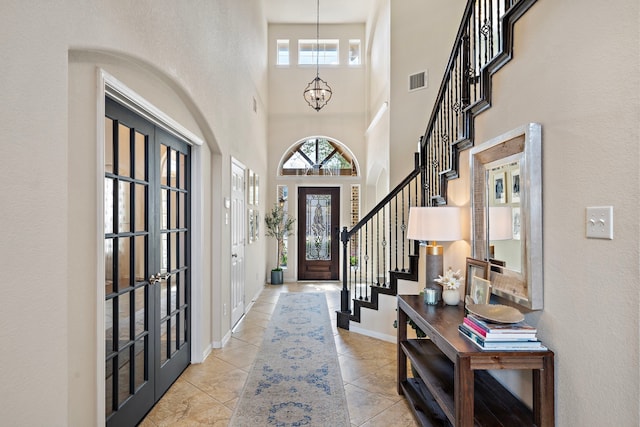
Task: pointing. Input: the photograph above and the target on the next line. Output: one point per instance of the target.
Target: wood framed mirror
(506, 200)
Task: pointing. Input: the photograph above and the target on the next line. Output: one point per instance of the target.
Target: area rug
(295, 380)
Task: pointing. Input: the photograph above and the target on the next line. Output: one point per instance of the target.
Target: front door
(318, 231)
(237, 241)
(147, 280)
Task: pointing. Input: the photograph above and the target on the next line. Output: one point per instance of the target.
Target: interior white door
(238, 238)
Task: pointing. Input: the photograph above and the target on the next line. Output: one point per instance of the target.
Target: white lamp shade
(500, 223)
(434, 224)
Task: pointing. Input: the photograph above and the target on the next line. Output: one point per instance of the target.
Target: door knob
(155, 278)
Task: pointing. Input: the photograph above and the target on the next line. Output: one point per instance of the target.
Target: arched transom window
(318, 156)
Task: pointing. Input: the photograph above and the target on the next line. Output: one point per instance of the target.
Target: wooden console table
(453, 387)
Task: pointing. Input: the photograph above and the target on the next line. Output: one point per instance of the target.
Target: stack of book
(500, 336)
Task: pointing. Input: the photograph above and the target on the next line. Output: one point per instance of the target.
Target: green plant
(278, 225)
(353, 260)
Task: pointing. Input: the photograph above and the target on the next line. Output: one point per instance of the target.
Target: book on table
(526, 333)
(507, 344)
(500, 328)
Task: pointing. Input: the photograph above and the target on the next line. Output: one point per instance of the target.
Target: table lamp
(433, 224)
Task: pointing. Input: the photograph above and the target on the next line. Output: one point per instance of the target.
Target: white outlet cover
(599, 222)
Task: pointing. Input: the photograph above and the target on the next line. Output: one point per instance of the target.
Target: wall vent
(418, 81)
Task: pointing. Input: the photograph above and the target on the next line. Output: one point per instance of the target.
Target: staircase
(376, 252)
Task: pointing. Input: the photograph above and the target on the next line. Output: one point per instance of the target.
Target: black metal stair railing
(484, 43)
(375, 251)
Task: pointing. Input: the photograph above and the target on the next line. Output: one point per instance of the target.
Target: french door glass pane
(164, 170)
(140, 371)
(124, 375)
(163, 207)
(140, 162)
(140, 312)
(124, 151)
(124, 326)
(172, 295)
(173, 342)
(173, 253)
(140, 258)
(318, 233)
(173, 206)
(181, 288)
(164, 295)
(124, 261)
(140, 207)
(124, 206)
(108, 325)
(108, 205)
(108, 266)
(182, 210)
(172, 168)
(182, 184)
(108, 145)
(164, 252)
(164, 356)
(181, 249)
(109, 387)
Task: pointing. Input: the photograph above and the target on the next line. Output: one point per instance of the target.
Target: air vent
(418, 81)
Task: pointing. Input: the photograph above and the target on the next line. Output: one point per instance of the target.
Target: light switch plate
(599, 222)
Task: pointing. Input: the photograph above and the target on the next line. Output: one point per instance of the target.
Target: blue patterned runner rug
(295, 380)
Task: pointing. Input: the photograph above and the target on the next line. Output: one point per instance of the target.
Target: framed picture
(475, 267)
(256, 189)
(251, 225)
(256, 224)
(250, 187)
(515, 186)
(498, 188)
(480, 290)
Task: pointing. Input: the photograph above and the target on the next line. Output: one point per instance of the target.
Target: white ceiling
(304, 11)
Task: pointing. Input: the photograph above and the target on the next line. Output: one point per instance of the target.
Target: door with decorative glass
(147, 277)
(318, 231)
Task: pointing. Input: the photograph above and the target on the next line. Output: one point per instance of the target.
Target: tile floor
(206, 393)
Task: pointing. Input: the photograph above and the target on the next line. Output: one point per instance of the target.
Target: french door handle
(155, 278)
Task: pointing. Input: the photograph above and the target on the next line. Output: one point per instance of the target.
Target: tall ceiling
(304, 11)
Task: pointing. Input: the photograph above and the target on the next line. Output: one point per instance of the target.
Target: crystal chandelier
(318, 92)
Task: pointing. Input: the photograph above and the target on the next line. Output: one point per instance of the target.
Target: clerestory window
(326, 51)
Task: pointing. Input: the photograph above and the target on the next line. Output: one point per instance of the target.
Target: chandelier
(317, 92)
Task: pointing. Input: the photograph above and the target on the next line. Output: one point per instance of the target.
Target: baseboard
(223, 342)
(373, 334)
(205, 354)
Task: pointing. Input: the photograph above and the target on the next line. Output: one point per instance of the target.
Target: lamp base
(434, 268)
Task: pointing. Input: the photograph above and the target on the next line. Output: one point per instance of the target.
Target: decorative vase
(451, 296)
(276, 277)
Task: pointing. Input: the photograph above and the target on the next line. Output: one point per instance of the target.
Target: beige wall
(575, 71)
(422, 36)
(185, 62)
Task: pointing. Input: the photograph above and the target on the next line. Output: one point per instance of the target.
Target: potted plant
(279, 225)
